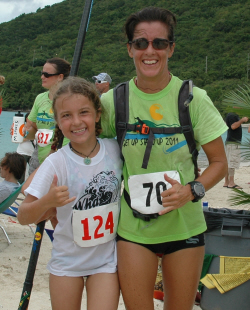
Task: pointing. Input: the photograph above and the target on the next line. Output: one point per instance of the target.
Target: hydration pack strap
(184, 99)
(144, 217)
(121, 101)
(150, 131)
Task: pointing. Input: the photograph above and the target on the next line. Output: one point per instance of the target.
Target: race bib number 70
(145, 190)
(95, 226)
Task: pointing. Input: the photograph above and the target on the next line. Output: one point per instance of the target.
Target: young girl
(82, 181)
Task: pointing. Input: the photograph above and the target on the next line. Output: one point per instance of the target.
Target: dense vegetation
(216, 29)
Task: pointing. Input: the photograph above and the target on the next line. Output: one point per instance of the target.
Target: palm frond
(245, 149)
(240, 99)
(239, 198)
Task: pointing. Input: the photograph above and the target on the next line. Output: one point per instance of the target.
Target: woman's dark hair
(62, 66)
(15, 163)
(150, 14)
(71, 86)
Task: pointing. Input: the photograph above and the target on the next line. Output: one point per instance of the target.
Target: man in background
(232, 147)
(102, 82)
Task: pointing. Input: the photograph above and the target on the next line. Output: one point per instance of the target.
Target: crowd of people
(110, 241)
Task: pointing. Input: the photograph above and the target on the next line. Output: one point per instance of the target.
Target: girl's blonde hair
(72, 86)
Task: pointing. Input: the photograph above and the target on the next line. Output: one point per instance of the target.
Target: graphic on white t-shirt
(102, 190)
(96, 226)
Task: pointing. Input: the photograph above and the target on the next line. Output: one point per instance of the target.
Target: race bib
(145, 190)
(43, 137)
(95, 226)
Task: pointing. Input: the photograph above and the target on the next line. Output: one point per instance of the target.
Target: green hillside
(218, 30)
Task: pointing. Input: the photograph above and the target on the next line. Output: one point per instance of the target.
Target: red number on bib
(46, 138)
(110, 223)
(96, 234)
(85, 224)
(41, 141)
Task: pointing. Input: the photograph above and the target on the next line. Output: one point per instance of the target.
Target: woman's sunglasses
(47, 75)
(142, 43)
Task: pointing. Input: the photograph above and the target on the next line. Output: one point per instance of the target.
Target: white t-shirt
(25, 148)
(94, 185)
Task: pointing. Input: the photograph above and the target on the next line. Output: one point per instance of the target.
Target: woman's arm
(178, 195)
(32, 209)
(30, 130)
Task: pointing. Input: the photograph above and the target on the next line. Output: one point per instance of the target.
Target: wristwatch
(197, 189)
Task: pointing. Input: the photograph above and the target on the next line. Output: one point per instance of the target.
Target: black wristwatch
(197, 189)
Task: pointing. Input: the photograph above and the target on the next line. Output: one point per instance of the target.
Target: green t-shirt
(42, 114)
(169, 152)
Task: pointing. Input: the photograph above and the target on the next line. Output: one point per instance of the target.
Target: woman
(177, 233)
(25, 148)
(41, 123)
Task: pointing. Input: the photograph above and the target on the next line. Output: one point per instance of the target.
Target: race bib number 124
(95, 226)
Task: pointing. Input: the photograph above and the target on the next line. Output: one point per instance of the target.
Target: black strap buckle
(122, 125)
(186, 128)
(145, 217)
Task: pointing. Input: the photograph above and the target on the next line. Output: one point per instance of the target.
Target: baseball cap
(102, 77)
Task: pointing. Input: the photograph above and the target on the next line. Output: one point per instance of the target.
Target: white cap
(103, 77)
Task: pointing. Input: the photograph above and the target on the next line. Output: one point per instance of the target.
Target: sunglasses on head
(142, 43)
(47, 75)
(100, 82)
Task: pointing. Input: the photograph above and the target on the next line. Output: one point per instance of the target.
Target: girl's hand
(175, 197)
(58, 196)
(48, 215)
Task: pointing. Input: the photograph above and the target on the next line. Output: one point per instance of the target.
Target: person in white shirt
(80, 183)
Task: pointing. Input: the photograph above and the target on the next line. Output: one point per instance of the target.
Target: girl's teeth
(149, 62)
(79, 130)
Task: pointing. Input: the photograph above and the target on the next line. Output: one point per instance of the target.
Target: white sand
(14, 258)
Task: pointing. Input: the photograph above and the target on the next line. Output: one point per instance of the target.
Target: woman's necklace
(86, 160)
(147, 88)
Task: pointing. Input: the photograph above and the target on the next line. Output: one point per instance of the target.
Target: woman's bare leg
(137, 270)
(181, 273)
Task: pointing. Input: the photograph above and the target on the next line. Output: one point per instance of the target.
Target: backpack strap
(184, 99)
(121, 102)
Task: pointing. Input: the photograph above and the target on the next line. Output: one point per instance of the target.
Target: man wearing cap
(102, 82)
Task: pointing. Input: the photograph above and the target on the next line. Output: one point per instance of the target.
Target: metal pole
(81, 37)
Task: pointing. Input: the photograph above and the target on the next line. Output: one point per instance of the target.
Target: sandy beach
(15, 257)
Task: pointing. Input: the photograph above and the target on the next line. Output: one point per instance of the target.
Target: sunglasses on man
(100, 82)
(47, 75)
(143, 43)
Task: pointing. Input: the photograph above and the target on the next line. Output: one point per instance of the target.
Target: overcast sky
(10, 9)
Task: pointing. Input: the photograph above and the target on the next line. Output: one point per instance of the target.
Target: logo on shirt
(155, 112)
(102, 190)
